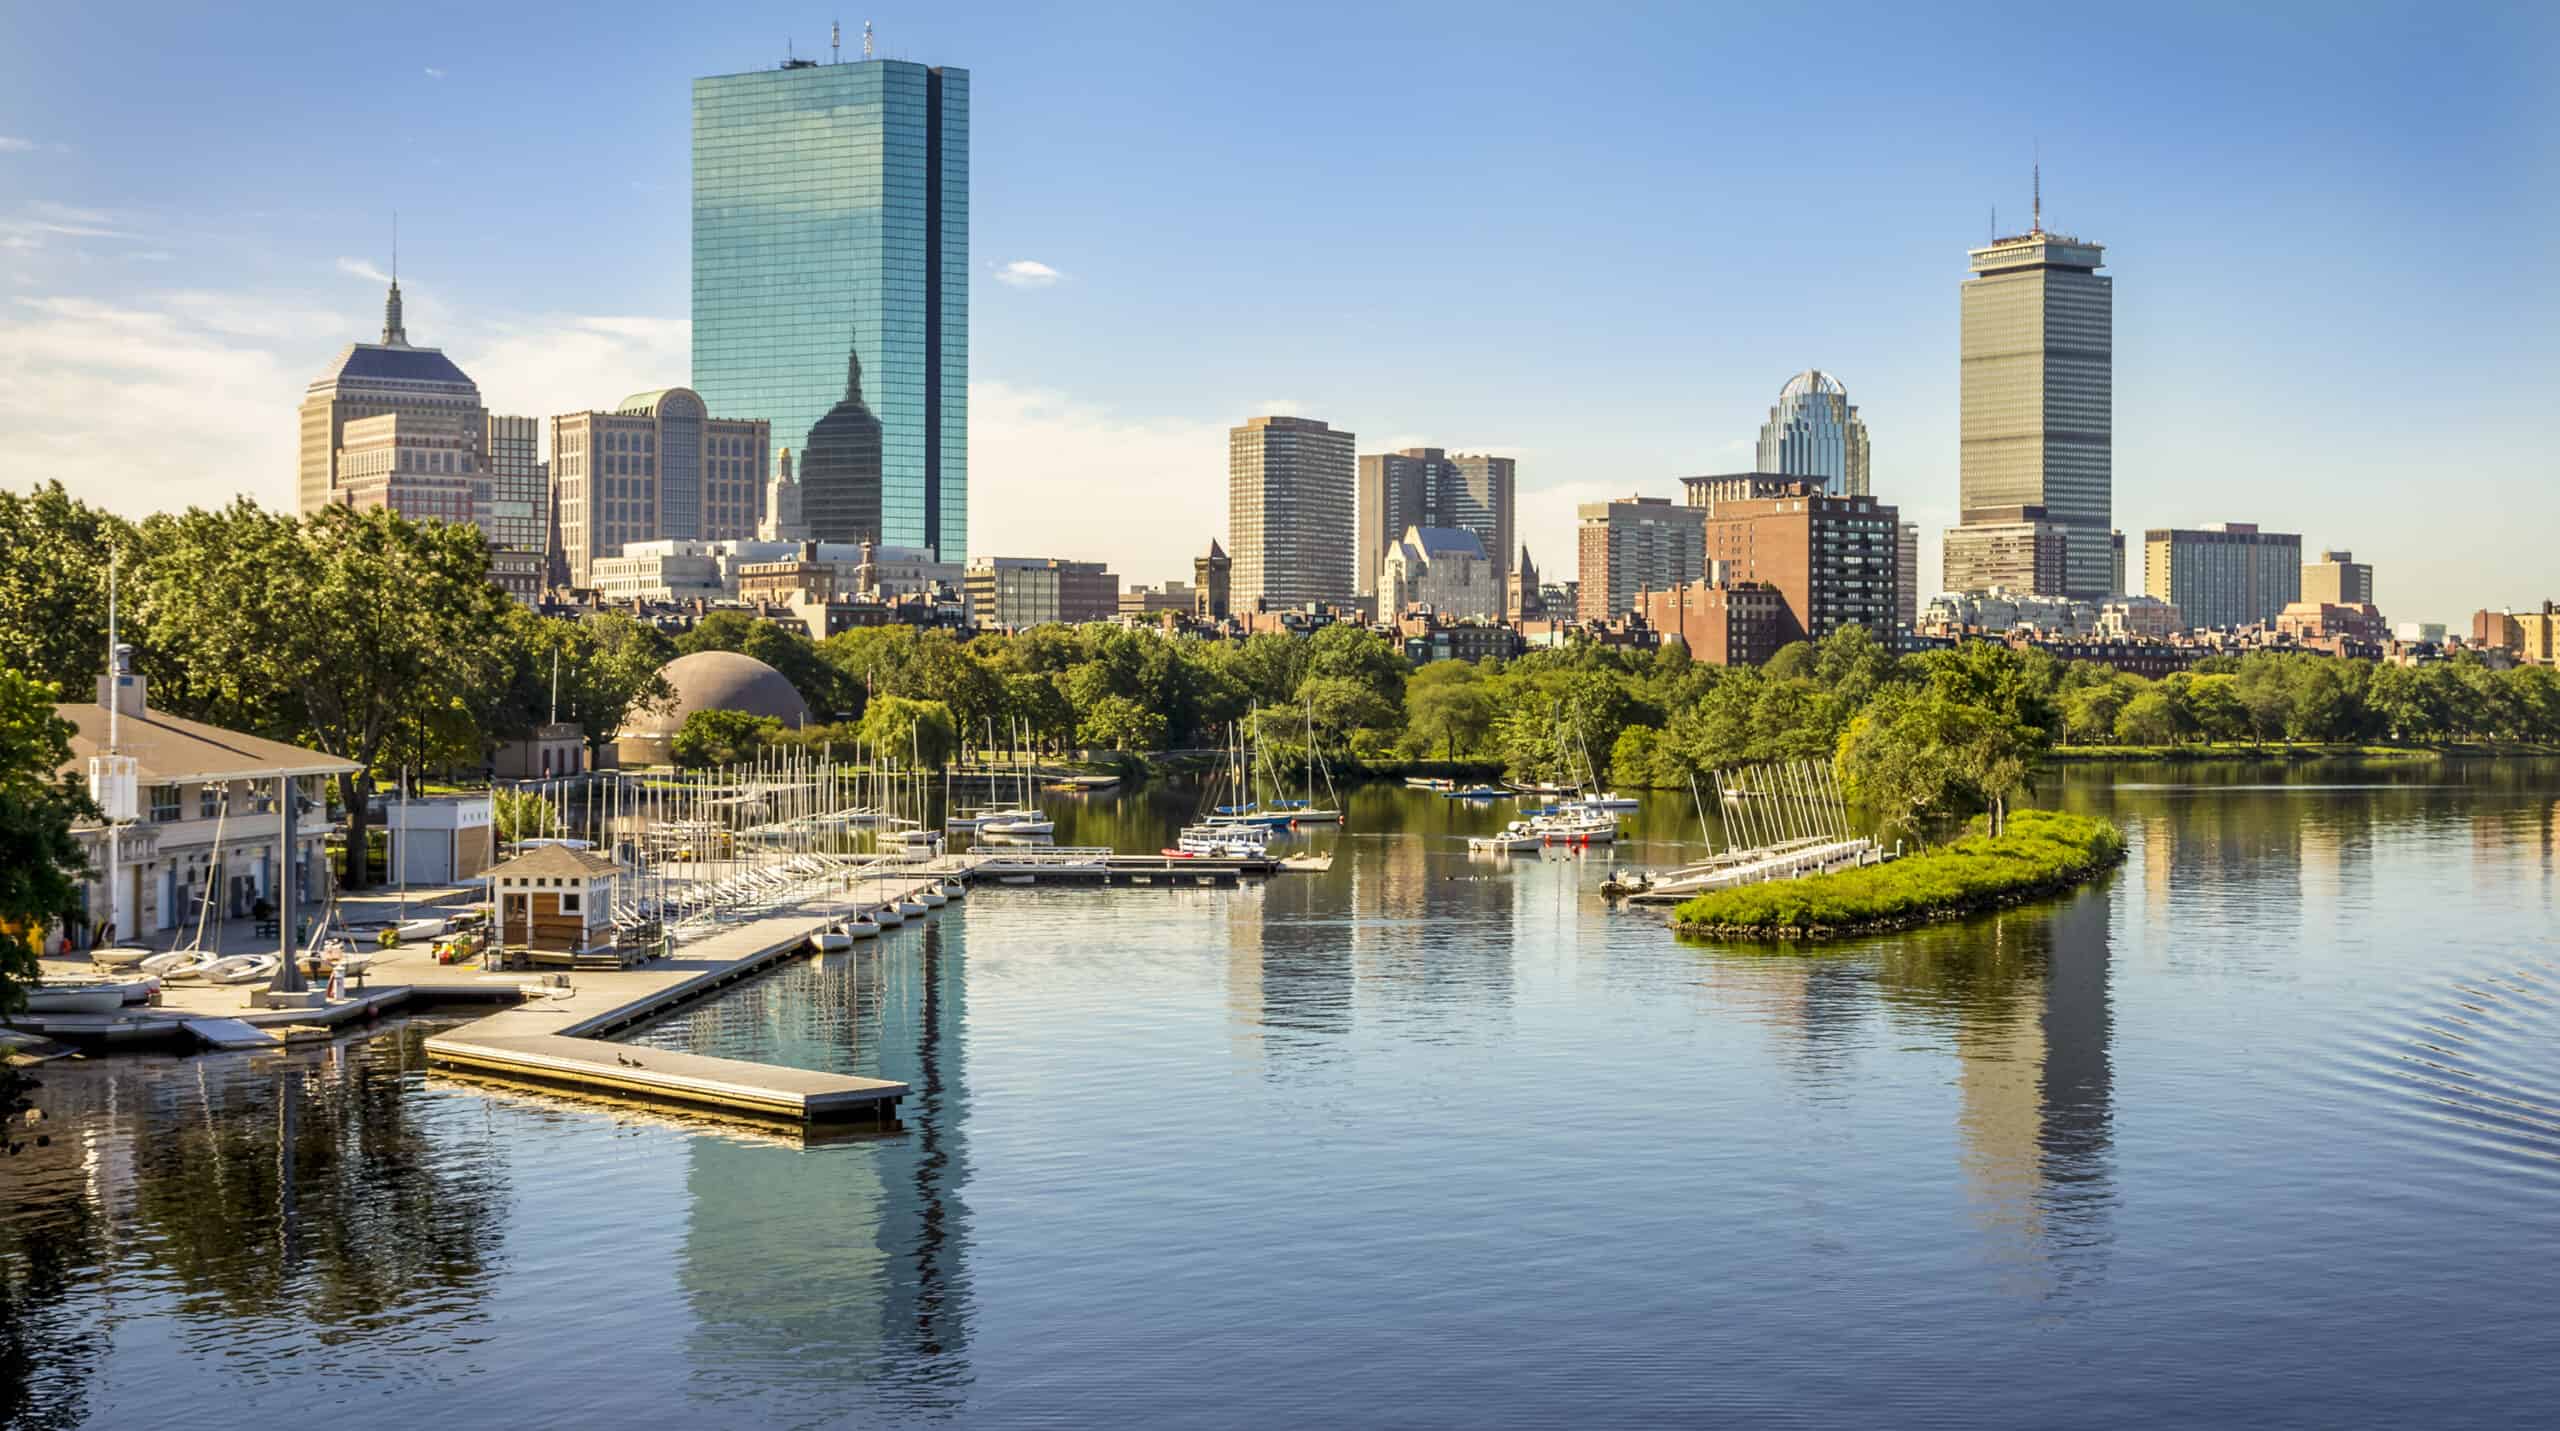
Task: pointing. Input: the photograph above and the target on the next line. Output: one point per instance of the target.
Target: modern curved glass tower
(833, 199)
(1815, 431)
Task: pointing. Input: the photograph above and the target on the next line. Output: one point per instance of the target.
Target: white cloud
(574, 364)
(1278, 407)
(1027, 273)
(12, 144)
(433, 73)
(363, 269)
(1052, 476)
(140, 410)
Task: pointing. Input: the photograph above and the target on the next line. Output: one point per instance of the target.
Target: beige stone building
(657, 468)
(368, 380)
(1636, 545)
(1291, 513)
(1016, 593)
(2338, 579)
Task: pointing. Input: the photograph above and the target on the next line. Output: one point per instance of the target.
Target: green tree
(910, 732)
(717, 737)
(2150, 718)
(360, 633)
(1448, 704)
(40, 863)
(1033, 698)
(1119, 723)
(54, 559)
(598, 670)
(521, 814)
(1345, 708)
(1356, 653)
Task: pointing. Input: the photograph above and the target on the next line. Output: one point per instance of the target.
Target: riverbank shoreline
(2297, 752)
(2041, 853)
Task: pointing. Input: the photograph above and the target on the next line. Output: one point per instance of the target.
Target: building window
(164, 802)
(208, 801)
(569, 904)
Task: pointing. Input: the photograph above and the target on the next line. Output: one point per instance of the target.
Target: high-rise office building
(1814, 432)
(1291, 518)
(518, 518)
(1018, 593)
(1636, 545)
(657, 468)
(1426, 487)
(2038, 392)
(391, 378)
(2231, 574)
(831, 282)
(2338, 579)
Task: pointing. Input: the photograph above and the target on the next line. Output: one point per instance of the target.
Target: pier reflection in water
(2258, 1131)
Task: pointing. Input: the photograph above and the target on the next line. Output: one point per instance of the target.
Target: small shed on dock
(553, 899)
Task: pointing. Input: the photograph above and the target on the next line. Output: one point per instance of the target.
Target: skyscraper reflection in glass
(831, 235)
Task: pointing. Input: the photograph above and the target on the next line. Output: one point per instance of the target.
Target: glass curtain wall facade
(1815, 432)
(831, 235)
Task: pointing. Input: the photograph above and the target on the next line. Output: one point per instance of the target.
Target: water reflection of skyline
(823, 1272)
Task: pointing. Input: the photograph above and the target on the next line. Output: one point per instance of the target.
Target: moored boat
(96, 996)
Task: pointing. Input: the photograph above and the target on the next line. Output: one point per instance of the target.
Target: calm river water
(2265, 1130)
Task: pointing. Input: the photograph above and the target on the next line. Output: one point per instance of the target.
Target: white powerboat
(1235, 842)
(1608, 801)
(1031, 824)
(1585, 829)
(1518, 835)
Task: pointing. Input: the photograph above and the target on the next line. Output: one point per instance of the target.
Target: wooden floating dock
(560, 1043)
(690, 1078)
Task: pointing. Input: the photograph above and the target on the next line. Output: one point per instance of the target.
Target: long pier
(562, 1041)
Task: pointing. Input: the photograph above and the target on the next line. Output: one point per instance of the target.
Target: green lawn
(2041, 851)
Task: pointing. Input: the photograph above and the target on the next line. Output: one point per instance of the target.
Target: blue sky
(1599, 237)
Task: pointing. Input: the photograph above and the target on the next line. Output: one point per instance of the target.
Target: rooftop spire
(2038, 226)
(393, 333)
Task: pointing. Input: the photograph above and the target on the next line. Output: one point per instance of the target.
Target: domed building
(1815, 432)
(707, 681)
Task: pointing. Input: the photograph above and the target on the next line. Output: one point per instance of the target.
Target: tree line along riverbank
(2036, 853)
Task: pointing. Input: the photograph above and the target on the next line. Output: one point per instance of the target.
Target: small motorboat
(1477, 792)
(1518, 835)
(828, 941)
(861, 927)
(1315, 817)
(1019, 825)
(1611, 801)
(1593, 829)
(88, 996)
(241, 969)
(1241, 842)
(954, 889)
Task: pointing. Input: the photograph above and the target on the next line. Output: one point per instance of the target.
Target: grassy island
(2040, 852)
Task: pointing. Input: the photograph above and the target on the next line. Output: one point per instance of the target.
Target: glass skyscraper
(1815, 432)
(831, 237)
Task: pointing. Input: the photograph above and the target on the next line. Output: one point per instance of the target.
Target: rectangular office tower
(831, 286)
(1291, 514)
(2039, 395)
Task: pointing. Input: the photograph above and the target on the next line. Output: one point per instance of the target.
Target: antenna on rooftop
(395, 248)
(2039, 179)
(866, 39)
(835, 42)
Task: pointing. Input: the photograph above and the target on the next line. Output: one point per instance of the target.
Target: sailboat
(1025, 818)
(1307, 812)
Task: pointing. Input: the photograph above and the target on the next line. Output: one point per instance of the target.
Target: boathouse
(554, 904)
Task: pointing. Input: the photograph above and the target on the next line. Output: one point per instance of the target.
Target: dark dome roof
(382, 362)
(719, 681)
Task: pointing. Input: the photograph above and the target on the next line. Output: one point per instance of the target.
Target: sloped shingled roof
(168, 751)
(554, 862)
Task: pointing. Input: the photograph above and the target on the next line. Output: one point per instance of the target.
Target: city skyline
(1648, 356)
